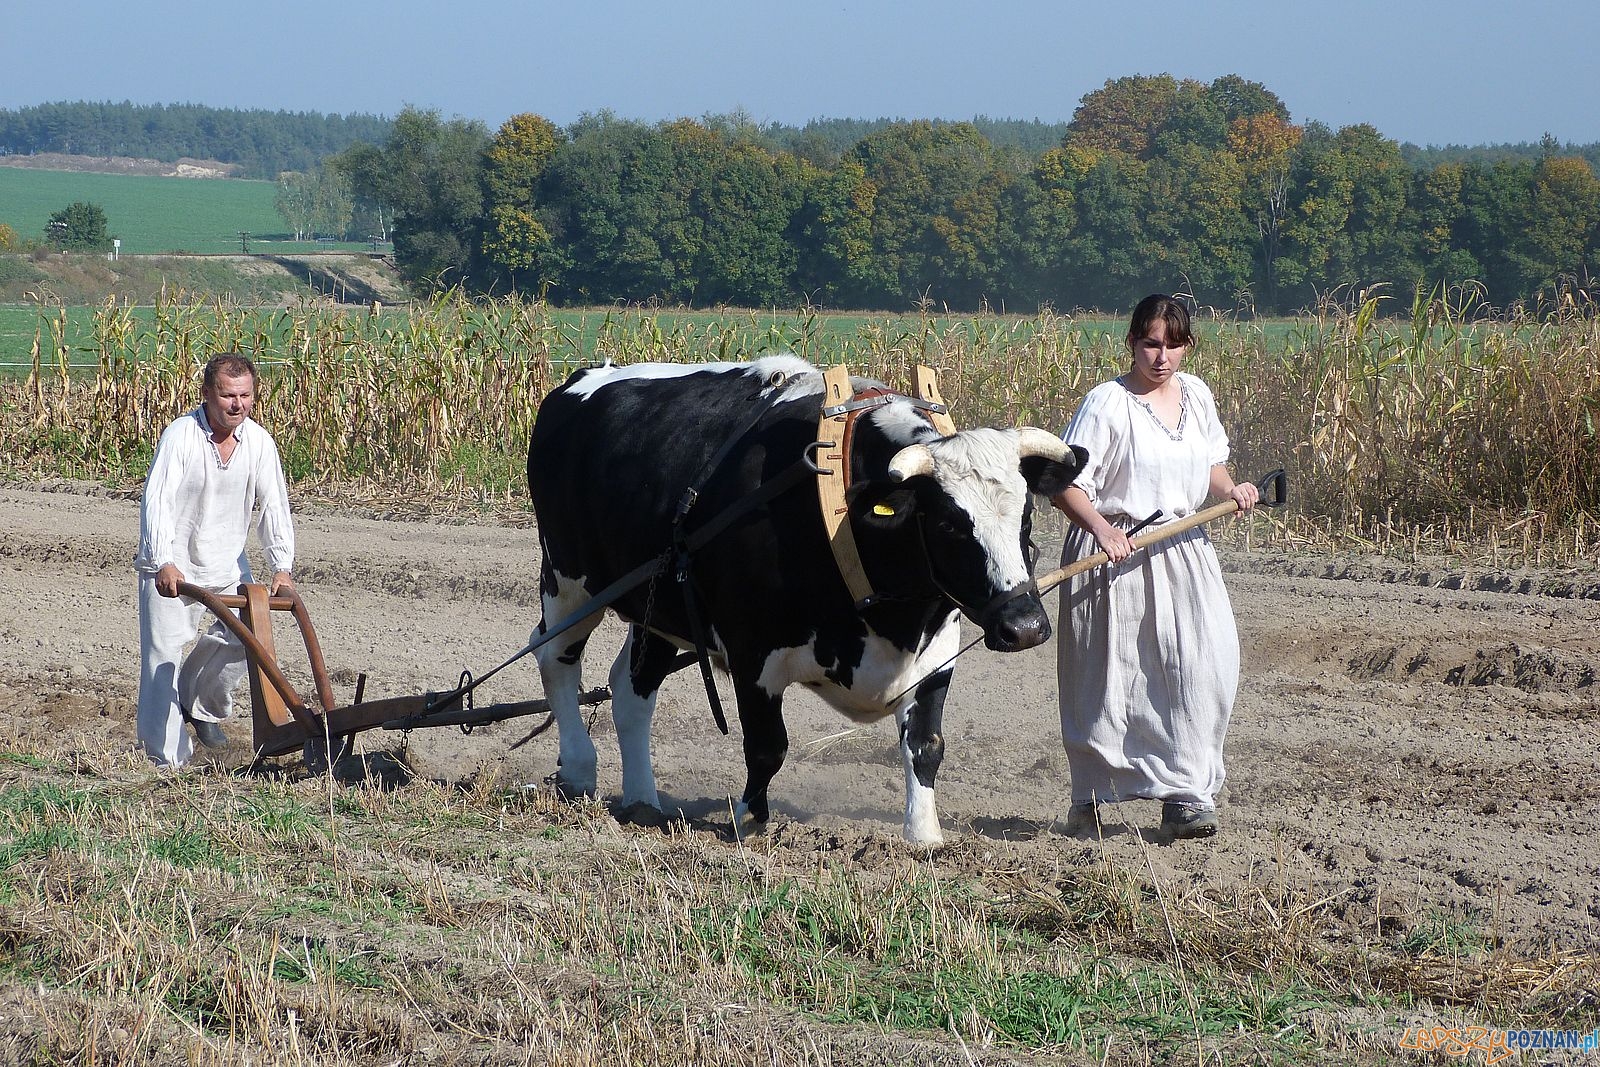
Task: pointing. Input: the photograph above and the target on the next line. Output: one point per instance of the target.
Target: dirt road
(1418, 744)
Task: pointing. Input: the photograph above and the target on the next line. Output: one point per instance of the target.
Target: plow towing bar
(282, 720)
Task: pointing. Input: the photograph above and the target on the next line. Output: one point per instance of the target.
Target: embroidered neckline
(1183, 411)
(216, 451)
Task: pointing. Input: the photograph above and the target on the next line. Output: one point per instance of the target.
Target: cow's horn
(1032, 441)
(911, 461)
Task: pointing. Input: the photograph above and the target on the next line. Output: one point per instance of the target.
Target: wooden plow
(283, 720)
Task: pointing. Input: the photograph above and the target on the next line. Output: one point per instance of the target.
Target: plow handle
(1274, 491)
(221, 605)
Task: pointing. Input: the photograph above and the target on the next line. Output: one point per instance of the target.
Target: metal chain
(649, 610)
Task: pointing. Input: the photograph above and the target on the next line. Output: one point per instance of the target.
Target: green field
(740, 334)
(582, 332)
(152, 214)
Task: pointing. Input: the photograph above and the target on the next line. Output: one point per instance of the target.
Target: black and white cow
(941, 525)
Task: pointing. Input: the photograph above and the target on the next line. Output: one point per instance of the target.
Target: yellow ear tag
(882, 509)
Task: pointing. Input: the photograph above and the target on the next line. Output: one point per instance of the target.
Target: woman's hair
(1171, 309)
(229, 364)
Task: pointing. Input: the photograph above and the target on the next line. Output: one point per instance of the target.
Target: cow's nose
(1019, 624)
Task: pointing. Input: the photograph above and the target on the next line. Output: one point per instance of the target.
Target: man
(212, 469)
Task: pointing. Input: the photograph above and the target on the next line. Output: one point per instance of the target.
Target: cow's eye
(945, 527)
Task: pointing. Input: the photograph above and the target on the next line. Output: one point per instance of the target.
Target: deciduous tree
(431, 174)
(1124, 115)
(516, 242)
(293, 202)
(1561, 223)
(934, 222)
(832, 234)
(79, 227)
(749, 204)
(1264, 143)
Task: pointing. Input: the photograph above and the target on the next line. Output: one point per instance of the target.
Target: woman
(1148, 655)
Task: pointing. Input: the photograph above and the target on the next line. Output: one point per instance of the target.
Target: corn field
(1445, 427)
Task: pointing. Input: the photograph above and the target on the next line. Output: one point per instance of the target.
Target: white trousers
(203, 681)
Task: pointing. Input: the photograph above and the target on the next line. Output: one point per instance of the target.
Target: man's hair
(229, 364)
(1173, 310)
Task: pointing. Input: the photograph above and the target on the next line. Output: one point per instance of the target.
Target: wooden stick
(1149, 537)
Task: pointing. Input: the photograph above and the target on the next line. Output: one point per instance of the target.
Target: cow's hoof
(641, 814)
(747, 822)
(569, 790)
(923, 835)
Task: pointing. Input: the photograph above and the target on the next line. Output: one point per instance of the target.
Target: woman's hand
(1245, 494)
(1113, 542)
(1076, 505)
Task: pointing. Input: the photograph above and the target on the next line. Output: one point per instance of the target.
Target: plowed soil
(1415, 742)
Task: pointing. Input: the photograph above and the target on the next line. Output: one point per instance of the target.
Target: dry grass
(216, 918)
(1447, 430)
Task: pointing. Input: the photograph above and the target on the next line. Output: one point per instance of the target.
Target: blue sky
(1463, 72)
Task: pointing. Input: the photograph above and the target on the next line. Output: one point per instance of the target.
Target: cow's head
(966, 498)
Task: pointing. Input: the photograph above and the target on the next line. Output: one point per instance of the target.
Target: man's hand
(282, 585)
(167, 579)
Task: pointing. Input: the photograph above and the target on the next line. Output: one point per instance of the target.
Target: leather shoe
(1188, 820)
(209, 734)
(1081, 819)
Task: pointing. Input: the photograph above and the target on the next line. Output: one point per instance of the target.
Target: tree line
(1155, 184)
(263, 143)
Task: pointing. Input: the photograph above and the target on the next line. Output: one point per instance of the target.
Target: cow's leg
(561, 671)
(922, 750)
(766, 743)
(635, 677)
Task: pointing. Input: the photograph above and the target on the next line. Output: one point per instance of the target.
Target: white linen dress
(1147, 653)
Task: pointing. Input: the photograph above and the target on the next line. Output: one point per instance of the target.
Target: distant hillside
(148, 214)
(262, 143)
(150, 168)
(77, 280)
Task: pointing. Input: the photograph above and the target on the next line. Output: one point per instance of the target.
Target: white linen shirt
(196, 509)
(1136, 464)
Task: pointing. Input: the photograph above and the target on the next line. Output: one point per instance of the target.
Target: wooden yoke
(833, 478)
(926, 383)
(833, 475)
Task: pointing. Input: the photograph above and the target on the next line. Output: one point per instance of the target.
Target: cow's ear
(891, 510)
(1047, 477)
